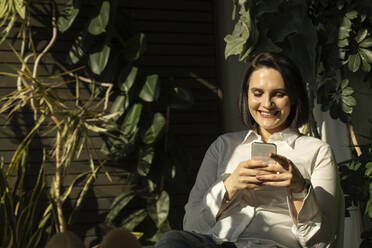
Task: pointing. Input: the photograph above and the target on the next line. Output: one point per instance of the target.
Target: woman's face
(268, 100)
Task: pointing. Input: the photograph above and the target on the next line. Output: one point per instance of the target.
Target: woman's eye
(280, 94)
(257, 93)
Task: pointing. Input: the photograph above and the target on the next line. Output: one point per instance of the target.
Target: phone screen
(261, 151)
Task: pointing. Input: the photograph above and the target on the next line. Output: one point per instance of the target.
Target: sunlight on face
(268, 101)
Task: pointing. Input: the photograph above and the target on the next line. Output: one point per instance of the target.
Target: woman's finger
(285, 183)
(274, 168)
(273, 177)
(252, 164)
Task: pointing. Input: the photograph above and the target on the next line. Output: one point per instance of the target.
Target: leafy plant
(10, 12)
(356, 179)
(19, 210)
(139, 137)
(71, 123)
(136, 129)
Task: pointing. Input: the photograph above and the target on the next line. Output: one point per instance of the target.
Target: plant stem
(61, 219)
(51, 42)
(353, 140)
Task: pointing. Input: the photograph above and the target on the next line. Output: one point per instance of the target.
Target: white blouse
(320, 219)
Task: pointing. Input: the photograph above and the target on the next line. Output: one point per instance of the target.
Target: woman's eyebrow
(280, 89)
(260, 89)
(253, 89)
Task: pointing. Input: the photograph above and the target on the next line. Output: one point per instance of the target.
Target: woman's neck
(265, 135)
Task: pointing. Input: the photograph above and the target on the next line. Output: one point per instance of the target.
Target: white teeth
(267, 114)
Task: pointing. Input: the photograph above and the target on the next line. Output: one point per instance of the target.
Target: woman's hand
(244, 177)
(282, 174)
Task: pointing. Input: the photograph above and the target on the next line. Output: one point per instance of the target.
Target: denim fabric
(185, 239)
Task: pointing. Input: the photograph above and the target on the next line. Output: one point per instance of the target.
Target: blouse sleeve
(207, 194)
(318, 218)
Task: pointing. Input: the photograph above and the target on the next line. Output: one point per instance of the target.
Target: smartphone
(261, 151)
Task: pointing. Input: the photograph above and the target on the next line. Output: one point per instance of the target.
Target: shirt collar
(288, 135)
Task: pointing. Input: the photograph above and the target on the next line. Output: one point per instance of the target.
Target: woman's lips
(268, 114)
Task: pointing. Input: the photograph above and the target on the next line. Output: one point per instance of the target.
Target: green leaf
(95, 128)
(352, 14)
(20, 8)
(134, 47)
(344, 84)
(150, 90)
(349, 100)
(4, 7)
(346, 108)
(98, 24)
(146, 155)
(157, 125)
(365, 66)
(131, 119)
(119, 105)
(133, 220)
(68, 15)
(354, 62)
(83, 195)
(125, 84)
(368, 171)
(159, 211)
(23, 146)
(235, 7)
(98, 60)
(118, 205)
(151, 186)
(369, 205)
(355, 165)
(234, 45)
(361, 35)
(347, 91)
(367, 54)
(343, 43)
(236, 42)
(366, 43)
(344, 29)
(77, 50)
(165, 227)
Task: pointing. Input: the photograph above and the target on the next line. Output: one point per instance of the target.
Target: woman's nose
(267, 102)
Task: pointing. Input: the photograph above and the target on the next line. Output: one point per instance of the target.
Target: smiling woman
(293, 200)
(268, 101)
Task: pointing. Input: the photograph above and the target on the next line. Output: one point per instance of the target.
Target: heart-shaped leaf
(354, 62)
(68, 15)
(150, 90)
(98, 60)
(159, 211)
(146, 156)
(133, 219)
(118, 205)
(157, 125)
(98, 24)
(131, 119)
(127, 78)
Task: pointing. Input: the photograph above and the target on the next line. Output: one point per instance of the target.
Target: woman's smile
(268, 101)
(265, 114)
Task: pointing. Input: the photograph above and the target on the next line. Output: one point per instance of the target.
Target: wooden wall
(181, 37)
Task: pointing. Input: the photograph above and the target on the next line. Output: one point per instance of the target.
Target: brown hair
(294, 84)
